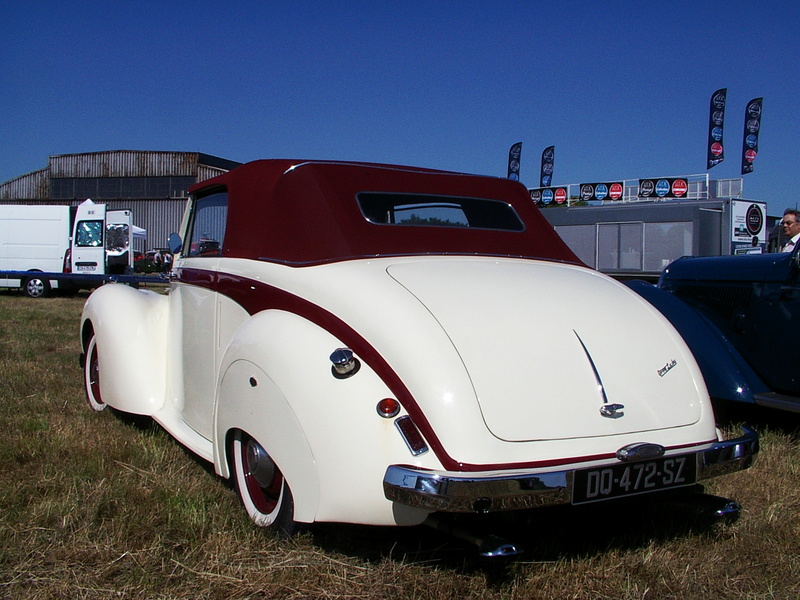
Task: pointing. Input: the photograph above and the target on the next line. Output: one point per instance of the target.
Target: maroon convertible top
(308, 212)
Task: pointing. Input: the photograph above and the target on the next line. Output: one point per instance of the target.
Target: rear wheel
(91, 376)
(261, 486)
(36, 287)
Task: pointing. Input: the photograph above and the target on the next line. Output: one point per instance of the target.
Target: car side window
(207, 230)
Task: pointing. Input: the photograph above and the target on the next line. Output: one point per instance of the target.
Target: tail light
(68, 261)
(411, 435)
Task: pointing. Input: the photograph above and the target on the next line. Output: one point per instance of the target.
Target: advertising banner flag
(716, 123)
(548, 156)
(514, 156)
(752, 125)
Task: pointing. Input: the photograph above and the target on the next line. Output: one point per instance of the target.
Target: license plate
(86, 268)
(592, 485)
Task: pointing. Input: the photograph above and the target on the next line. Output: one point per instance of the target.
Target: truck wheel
(91, 376)
(261, 486)
(36, 287)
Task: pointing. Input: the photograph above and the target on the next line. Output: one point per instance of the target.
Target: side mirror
(174, 243)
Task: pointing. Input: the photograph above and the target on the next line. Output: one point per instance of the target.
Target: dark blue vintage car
(740, 315)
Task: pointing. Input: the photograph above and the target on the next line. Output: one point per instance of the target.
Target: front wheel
(91, 376)
(36, 287)
(261, 486)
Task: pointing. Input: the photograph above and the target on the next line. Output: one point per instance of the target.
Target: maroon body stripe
(256, 296)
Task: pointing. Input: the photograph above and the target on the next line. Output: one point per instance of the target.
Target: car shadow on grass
(543, 535)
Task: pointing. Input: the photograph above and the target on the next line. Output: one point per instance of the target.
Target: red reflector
(388, 407)
(411, 435)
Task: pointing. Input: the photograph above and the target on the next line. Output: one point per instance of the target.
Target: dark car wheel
(91, 376)
(261, 486)
(36, 287)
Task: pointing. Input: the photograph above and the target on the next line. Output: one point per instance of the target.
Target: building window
(582, 241)
(665, 242)
(619, 246)
(113, 188)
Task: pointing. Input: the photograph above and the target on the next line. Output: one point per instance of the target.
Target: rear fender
(726, 373)
(131, 330)
(324, 433)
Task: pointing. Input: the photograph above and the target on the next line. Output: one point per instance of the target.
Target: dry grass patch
(97, 506)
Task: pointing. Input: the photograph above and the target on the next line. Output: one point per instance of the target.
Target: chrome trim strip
(600, 387)
(459, 492)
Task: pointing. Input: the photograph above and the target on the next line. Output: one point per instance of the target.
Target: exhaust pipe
(489, 545)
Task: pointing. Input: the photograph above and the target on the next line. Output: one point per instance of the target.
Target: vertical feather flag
(752, 126)
(716, 123)
(514, 158)
(548, 157)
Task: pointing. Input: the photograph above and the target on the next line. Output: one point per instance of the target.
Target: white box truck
(69, 248)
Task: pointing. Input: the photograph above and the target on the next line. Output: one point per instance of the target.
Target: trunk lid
(546, 345)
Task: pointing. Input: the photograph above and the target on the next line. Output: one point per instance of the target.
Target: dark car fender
(726, 373)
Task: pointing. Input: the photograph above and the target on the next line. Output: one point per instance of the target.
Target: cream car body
(516, 373)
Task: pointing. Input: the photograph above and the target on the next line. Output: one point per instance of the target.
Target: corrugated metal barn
(152, 184)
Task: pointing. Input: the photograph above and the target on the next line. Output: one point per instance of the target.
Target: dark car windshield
(438, 211)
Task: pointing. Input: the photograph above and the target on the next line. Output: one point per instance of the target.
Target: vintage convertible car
(740, 315)
(372, 344)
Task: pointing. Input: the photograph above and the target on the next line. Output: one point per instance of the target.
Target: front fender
(130, 327)
(727, 375)
(324, 433)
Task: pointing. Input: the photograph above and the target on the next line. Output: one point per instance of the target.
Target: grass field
(97, 505)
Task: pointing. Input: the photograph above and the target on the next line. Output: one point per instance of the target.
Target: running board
(779, 401)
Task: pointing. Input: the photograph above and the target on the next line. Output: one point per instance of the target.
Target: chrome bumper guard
(447, 491)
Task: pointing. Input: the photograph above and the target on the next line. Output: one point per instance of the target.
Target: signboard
(602, 191)
(664, 187)
(547, 195)
(748, 227)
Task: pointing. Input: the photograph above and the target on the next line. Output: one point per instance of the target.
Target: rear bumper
(445, 491)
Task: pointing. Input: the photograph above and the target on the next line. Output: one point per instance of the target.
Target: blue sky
(620, 88)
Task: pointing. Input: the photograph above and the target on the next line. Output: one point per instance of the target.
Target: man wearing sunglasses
(791, 228)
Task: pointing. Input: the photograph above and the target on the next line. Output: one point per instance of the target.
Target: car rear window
(422, 210)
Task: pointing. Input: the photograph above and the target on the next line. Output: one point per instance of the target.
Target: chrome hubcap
(259, 464)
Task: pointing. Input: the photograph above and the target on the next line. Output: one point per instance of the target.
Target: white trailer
(45, 246)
